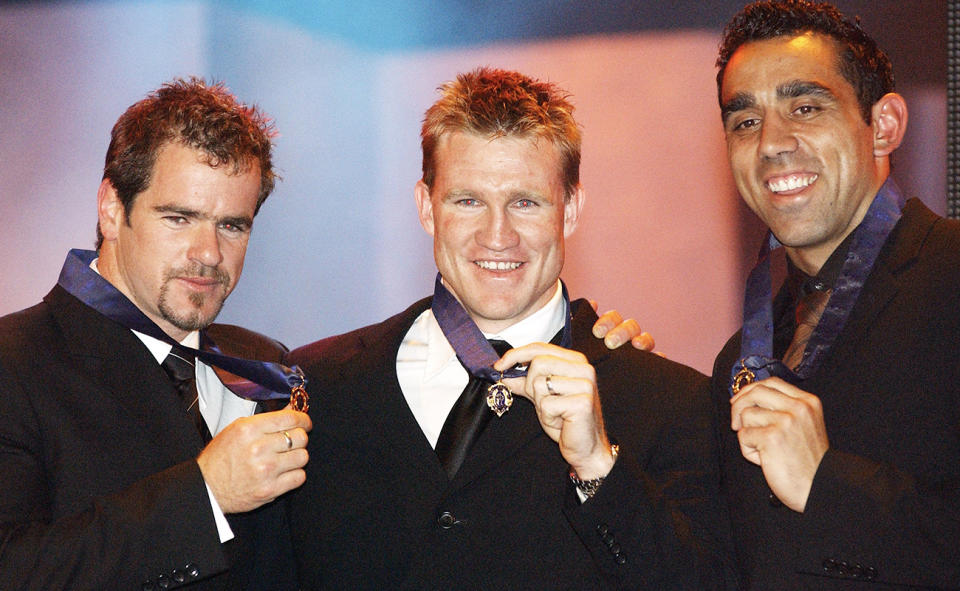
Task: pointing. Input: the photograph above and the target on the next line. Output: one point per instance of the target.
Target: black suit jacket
(100, 488)
(378, 512)
(885, 502)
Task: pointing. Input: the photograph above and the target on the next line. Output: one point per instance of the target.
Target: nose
(498, 231)
(776, 137)
(205, 245)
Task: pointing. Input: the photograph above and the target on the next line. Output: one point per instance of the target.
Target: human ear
(421, 193)
(889, 123)
(571, 210)
(110, 211)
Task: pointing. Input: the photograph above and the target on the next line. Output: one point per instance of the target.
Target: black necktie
(180, 367)
(466, 420)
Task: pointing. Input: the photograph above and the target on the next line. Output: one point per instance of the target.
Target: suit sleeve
(860, 508)
(656, 522)
(158, 527)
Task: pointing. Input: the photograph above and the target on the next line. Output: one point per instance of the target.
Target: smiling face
(802, 156)
(181, 252)
(498, 216)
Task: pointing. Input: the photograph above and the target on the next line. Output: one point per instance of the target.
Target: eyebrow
(788, 90)
(239, 221)
(739, 102)
(798, 88)
(455, 194)
(185, 212)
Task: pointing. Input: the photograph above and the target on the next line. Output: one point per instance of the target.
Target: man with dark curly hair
(126, 460)
(841, 462)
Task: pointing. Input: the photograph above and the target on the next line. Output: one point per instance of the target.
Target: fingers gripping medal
(299, 399)
(499, 397)
(477, 354)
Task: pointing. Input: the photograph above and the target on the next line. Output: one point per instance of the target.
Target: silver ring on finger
(288, 439)
(550, 387)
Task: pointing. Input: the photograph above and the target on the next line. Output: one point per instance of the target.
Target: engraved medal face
(499, 398)
(299, 399)
(742, 378)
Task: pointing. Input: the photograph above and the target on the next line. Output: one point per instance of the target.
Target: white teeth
(498, 265)
(794, 181)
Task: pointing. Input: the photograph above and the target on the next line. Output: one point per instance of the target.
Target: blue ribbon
(267, 381)
(756, 350)
(472, 348)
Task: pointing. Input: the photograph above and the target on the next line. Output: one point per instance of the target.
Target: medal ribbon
(471, 347)
(267, 380)
(756, 351)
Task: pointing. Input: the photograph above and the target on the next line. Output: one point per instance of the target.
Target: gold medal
(742, 378)
(299, 399)
(499, 397)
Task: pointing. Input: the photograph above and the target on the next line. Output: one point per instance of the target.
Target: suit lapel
(133, 380)
(381, 402)
(884, 282)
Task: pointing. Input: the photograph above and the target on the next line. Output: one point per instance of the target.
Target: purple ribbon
(266, 380)
(472, 348)
(756, 350)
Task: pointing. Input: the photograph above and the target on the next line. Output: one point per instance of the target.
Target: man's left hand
(563, 388)
(781, 429)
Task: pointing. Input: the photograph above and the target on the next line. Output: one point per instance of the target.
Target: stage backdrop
(664, 237)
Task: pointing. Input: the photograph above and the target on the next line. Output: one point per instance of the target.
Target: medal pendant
(742, 378)
(299, 399)
(499, 398)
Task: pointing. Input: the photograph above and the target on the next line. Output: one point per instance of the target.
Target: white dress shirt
(432, 378)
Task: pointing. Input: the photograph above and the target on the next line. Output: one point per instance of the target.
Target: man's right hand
(615, 331)
(250, 463)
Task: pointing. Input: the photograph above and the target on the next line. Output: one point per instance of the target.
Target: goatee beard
(195, 318)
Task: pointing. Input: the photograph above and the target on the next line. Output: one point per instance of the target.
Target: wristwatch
(590, 487)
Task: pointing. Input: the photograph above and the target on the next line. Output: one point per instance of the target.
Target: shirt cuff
(223, 527)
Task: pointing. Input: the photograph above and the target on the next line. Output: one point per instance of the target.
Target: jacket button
(615, 549)
(608, 539)
(602, 529)
(871, 573)
(192, 571)
(178, 576)
(446, 520)
(148, 586)
(163, 581)
(829, 565)
(620, 558)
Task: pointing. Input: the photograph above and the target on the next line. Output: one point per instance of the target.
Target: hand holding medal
(781, 429)
(562, 386)
(255, 459)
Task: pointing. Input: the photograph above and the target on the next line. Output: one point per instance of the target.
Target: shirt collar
(802, 284)
(540, 326)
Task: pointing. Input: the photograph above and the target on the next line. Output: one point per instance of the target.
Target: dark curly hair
(862, 62)
(496, 103)
(190, 112)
